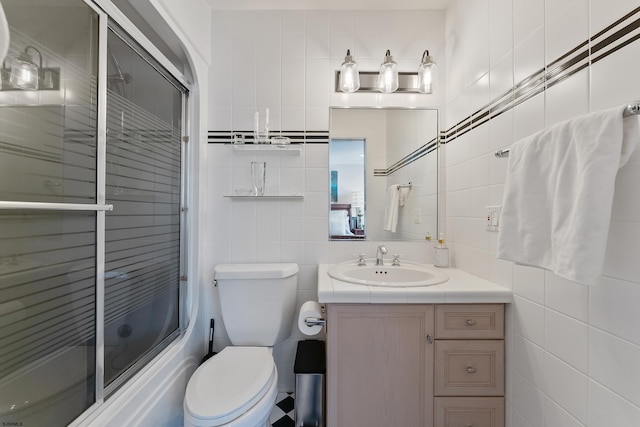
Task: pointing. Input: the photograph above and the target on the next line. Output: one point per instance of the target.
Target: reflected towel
(558, 194)
(391, 209)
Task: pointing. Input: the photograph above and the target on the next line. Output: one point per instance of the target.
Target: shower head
(118, 79)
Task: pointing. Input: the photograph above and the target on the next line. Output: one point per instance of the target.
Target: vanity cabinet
(469, 365)
(379, 365)
(425, 365)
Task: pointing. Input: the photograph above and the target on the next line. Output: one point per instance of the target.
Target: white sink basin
(408, 274)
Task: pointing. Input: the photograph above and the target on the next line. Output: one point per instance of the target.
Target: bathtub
(50, 391)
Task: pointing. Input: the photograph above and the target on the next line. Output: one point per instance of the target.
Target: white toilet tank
(257, 301)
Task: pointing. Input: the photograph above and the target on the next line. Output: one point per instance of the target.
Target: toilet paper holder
(315, 321)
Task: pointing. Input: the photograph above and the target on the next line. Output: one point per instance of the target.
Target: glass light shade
(349, 75)
(388, 75)
(427, 74)
(24, 72)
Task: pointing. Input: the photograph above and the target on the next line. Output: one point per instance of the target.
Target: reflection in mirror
(346, 188)
(401, 148)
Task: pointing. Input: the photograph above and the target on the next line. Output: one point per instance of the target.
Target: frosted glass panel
(48, 258)
(45, 156)
(47, 137)
(142, 251)
(50, 295)
(47, 316)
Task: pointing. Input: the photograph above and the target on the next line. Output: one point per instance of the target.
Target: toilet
(238, 386)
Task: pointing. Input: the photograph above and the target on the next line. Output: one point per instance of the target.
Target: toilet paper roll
(309, 309)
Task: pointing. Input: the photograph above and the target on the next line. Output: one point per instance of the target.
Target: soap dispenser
(441, 253)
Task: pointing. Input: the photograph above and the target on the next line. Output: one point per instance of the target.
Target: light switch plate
(493, 218)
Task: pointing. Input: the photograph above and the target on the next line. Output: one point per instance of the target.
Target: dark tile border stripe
(297, 137)
(405, 161)
(616, 36)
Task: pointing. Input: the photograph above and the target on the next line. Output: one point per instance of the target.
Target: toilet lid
(229, 383)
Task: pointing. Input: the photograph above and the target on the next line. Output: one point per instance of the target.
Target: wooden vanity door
(380, 365)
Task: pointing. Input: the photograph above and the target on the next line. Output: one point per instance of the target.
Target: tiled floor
(282, 414)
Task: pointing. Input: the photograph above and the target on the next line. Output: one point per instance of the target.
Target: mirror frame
(427, 148)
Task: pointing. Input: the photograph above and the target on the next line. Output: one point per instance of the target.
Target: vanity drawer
(470, 321)
(469, 412)
(469, 368)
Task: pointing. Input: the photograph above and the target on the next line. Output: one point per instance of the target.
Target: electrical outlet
(417, 213)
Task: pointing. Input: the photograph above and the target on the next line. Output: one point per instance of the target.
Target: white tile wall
(573, 349)
(607, 408)
(567, 25)
(555, 415)
(285, 61)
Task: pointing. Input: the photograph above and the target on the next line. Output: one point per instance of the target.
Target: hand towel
(558, 194)
(391, 209)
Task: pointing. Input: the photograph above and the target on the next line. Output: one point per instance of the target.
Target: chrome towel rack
(631, 110)
(409, 185)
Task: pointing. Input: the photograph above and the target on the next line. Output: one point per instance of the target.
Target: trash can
(310, 368)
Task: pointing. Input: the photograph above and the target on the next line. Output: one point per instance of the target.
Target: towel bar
(409, 185)
(631, 110)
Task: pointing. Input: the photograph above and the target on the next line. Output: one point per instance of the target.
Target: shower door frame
(107, 12)
(115, 30)
(123, 28)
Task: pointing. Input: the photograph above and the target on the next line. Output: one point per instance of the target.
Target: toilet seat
(229, 384)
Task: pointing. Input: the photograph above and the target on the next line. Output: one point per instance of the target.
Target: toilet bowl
(238, 386)
(235, 388)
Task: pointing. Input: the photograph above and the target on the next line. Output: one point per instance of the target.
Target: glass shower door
(47, 247)
(88, 296)
(142, 251)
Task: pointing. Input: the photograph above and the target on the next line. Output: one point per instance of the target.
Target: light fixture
(426, 74)
(349, 75)
(26, 75)
(388, 79)
(388, 75)
(24, 71)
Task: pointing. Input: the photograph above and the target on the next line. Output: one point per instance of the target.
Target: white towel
(391, 209)
(559, 192)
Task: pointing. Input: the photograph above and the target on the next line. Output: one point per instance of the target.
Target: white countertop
(461, 287)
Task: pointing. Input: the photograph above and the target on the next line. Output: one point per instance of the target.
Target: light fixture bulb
(349, 75)
(24, 71)
(388, 75)
(426, 74)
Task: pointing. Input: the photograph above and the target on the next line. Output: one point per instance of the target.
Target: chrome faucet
(382, 250)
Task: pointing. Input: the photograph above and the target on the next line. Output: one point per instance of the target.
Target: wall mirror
(383, 168)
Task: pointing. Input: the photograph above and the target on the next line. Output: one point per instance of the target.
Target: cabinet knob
(429, 338)
(471, 370)
(471, 322)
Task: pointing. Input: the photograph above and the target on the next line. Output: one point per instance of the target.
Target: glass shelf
(293, 149)
(266, 197)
